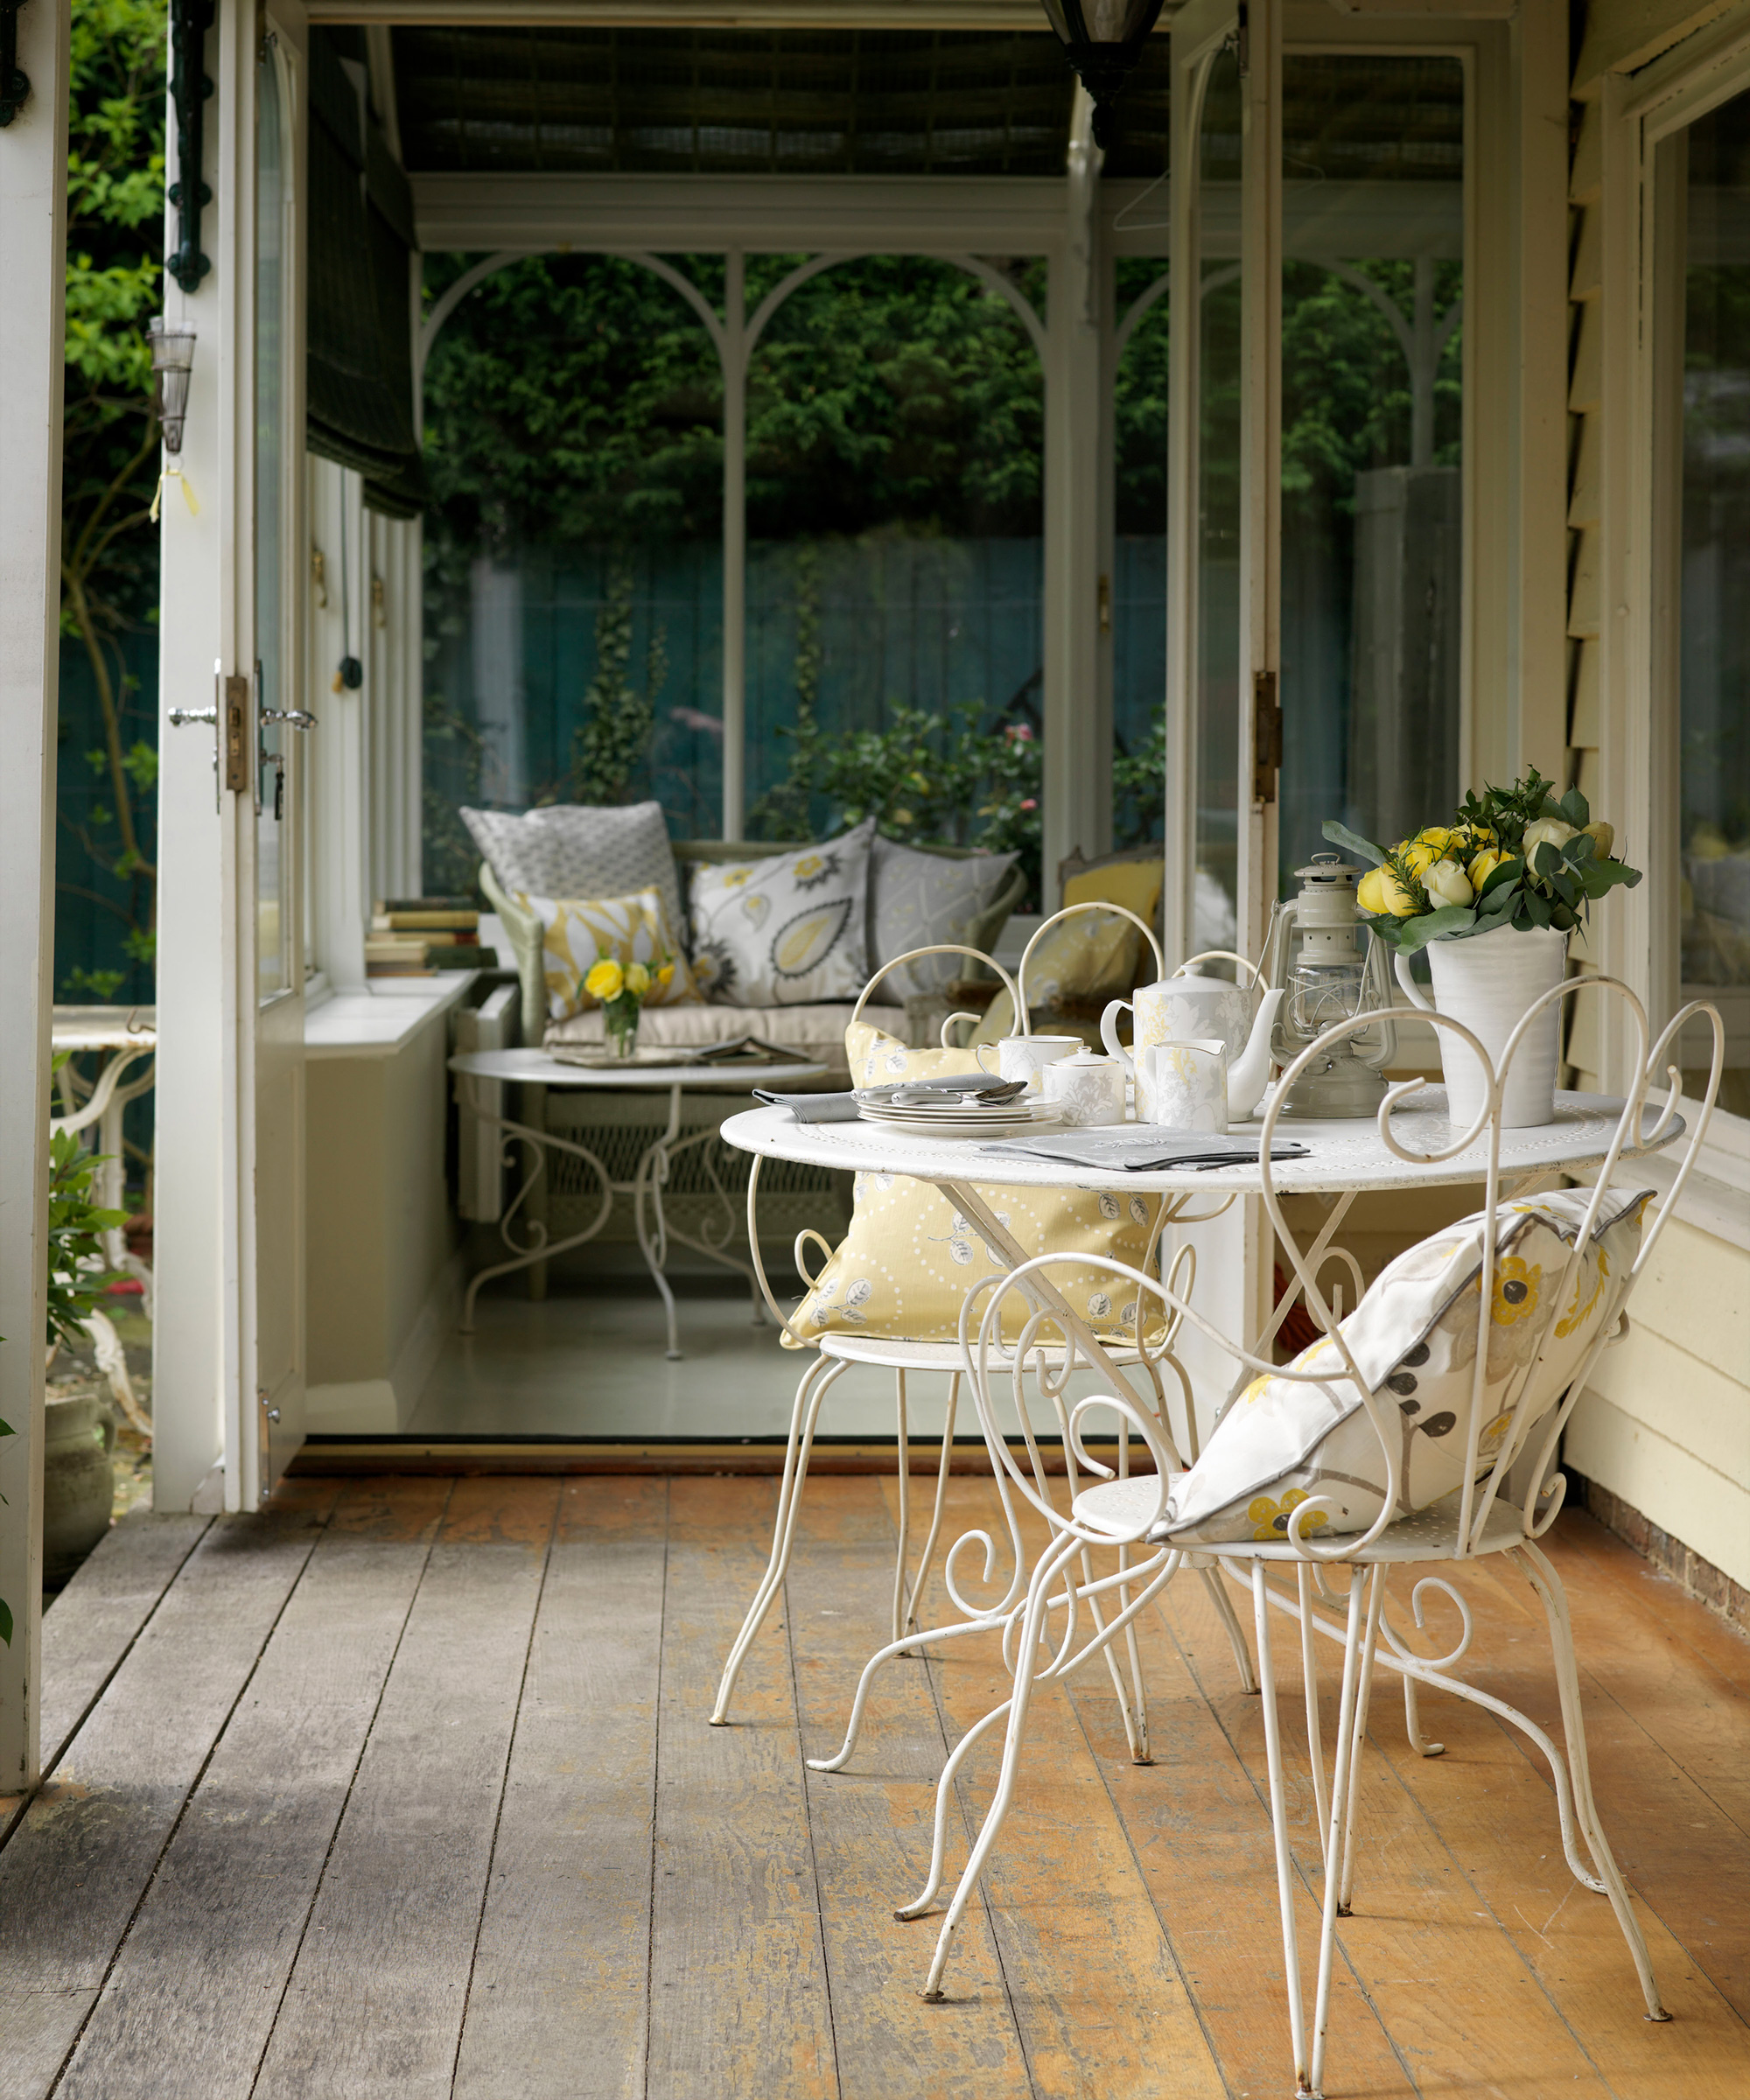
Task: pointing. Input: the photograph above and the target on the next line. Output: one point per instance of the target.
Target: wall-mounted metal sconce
(189, 88)
(172, 346)
(15, 85)
(1102, 40)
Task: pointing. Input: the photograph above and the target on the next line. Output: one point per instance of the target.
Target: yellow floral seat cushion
(904, 1269)
(1414, 1338)
(578, 933)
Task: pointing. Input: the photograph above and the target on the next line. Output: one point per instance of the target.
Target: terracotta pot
(79, 1490)
(1489, 982)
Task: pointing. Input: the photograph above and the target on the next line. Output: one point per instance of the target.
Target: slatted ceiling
(714, 101)
(1398, 119)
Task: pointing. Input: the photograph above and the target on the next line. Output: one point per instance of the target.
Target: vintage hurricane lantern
(1329, 968)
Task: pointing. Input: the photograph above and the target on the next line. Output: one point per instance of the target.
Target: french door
(229, 1339)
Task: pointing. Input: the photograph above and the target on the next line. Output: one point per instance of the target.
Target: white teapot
(1183, 1008)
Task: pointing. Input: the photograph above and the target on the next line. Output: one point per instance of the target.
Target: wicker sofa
(708, 1191)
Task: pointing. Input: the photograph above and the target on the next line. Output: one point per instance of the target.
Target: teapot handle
(1109, 1034)
(1400, 964)
(1220, 954)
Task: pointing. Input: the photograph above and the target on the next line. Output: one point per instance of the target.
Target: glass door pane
(1713, 765)
(272, 903)
(1220, 477)
(1372, 425)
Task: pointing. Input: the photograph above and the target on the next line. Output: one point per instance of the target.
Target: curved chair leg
(1278, 1824)
(1342, 1765)
(904, 1484)
(812, 1390)
(1548, 1586)
(1309, 1682)
(1413, 1722)
(911, 1642)
(944, 1792)
(1236, 1639)
(1026, 1665)
(1345, 1880)
(920, 1581)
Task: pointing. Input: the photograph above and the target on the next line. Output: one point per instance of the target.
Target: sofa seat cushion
(816, 1032)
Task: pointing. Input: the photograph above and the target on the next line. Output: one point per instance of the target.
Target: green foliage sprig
(1520, 857)
(77, 1277)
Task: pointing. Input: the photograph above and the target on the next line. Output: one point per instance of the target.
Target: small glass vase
(619, 1020)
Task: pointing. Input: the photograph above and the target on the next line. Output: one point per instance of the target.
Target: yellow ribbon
(174, 471)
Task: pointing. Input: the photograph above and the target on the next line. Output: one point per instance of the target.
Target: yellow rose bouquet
(1519, 857)
(622, 988)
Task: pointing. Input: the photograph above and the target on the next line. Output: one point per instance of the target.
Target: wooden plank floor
(406, 1788)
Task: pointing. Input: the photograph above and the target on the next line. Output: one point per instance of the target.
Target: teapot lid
(1086, 1055)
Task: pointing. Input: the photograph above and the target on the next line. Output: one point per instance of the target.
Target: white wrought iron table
(534, 1068)
(1344, 1159)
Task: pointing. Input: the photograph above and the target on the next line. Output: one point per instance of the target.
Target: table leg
(543, 1249)
(646, 1186)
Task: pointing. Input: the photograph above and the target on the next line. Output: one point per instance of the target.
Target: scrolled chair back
(941, 947)
(1020, 1371)
(1543, 1338)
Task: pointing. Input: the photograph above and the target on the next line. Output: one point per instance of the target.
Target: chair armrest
(522, 930)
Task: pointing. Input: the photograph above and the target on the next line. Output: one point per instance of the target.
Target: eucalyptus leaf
(1340, 834)
(1450, 919)
(1572, 807)
(1536, 909)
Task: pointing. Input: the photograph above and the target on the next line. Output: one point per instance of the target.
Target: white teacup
(1026, 1056)
(1184, 1085)
(1087, 1089)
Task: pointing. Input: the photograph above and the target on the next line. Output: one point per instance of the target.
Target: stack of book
(417, 936)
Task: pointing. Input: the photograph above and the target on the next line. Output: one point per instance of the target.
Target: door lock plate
(1266, 736)
(238, 740)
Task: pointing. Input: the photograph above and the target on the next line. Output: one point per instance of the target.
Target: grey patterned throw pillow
(916, 900)
(572, 850)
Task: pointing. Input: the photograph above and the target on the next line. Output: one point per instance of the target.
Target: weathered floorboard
(234, 1887)
(738, 1973)
(78, 1864)
(558, 2006)
(375, 2003)
(871, 1825)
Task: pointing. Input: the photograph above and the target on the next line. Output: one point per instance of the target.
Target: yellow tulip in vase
(1492, 897)
(622, 988)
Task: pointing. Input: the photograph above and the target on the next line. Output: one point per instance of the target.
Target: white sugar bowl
(1085, 1089)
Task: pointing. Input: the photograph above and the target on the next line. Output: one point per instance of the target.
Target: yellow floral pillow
(578, 933)
(1090, 956)
(1414, 1337)
(905, 1268)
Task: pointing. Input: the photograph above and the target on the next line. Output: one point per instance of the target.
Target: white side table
(128, 1034)
(534, 1068)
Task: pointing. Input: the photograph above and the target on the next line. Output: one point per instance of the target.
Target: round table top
(536, 1067)
(1346, 1156)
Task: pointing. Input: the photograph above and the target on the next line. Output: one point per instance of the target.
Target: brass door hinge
(1266, 736)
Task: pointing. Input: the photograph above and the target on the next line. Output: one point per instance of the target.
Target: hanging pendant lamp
(1102, 40)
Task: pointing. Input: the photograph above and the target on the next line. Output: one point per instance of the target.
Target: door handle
(294, 718)
(180, 717)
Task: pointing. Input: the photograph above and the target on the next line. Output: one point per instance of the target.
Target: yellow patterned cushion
(1090, 956)
(905, 1268)
(576, 932)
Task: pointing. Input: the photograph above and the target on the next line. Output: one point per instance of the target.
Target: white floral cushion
(786, 931)
(904, 1269)
(577, 933)
(1414, 1338)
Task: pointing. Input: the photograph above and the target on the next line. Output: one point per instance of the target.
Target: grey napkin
(1144, 1148)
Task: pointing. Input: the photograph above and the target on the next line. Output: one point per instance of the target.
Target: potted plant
(1492, 897)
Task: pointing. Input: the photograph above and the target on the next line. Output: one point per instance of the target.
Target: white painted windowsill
(382, 1019)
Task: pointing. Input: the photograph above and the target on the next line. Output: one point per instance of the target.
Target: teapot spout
(1248, 1074)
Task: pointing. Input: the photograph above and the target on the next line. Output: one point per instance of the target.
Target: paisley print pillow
(790, 931)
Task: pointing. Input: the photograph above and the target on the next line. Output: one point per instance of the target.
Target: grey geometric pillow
(573, 850)
(916, 900)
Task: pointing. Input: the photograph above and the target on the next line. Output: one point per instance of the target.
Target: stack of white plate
(960, 1119)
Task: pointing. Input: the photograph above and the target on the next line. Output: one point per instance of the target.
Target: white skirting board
(384, 1406)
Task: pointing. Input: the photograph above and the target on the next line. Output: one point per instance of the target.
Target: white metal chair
(1476, 1521)
(835, 1353)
